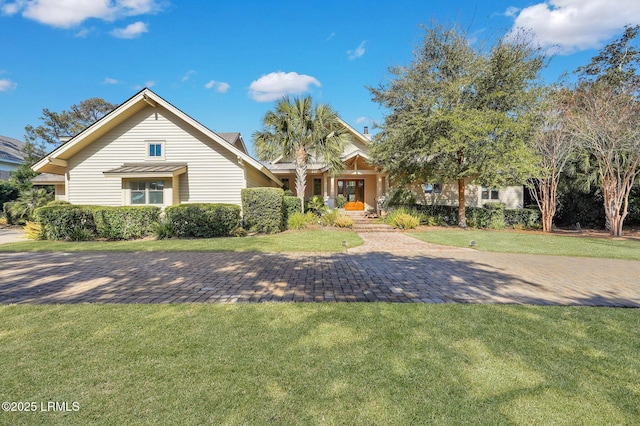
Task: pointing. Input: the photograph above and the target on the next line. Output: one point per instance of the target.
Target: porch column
(332, 188)
(325, 185)
(386, 186)
(378, 185)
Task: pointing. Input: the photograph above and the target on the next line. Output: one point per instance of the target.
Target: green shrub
(527, 218)
(341, 200)
(291, 205)
(316, 205)
(65, 222)
(8, 192)
(343, 221)
(58, 203)
(297, 221)
(496, 215)
(22, 210)
(263, 209)
(125, 222)
(329, 217)
(162, 230)
(403, 218)
(6, 210)
(203, 220)
(239, 232)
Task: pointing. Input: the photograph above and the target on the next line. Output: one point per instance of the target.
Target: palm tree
(297, 130)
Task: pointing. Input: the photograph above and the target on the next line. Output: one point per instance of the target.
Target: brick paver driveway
(390, 267)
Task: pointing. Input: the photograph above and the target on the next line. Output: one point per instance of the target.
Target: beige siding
(213, 173)
(255, 179)
(511, 196)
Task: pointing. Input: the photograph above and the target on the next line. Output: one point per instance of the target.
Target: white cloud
(357, 52)
(278, 84)
(109, 80)
(188, 75)
(69, 13)
(149, 84)
(223, 87)
(332, 35)
(6, 85)
(131, 31)
(220, 86)
(84, 32)
(361, 120)
(572, 25)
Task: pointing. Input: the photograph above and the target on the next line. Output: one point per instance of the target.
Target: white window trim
(147, 191)
(162, 148)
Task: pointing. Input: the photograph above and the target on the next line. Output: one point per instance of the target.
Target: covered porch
(359, 186)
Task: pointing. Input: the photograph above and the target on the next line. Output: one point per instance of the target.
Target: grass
(321, 240)
(321, 363)
(530, 243)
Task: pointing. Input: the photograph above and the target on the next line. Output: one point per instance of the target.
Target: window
(317, 186)
(147, 192)
(155, 150)
(285, 183)
(489, 194)
(432, 188)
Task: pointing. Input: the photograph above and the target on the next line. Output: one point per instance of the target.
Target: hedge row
(492, 215)
(75, 222)
(203, 220)
(263, 209)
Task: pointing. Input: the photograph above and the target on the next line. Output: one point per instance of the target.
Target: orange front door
(353, 191)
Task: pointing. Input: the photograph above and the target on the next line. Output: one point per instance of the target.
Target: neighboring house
(11, 156)
(146, 151)
(363, 185)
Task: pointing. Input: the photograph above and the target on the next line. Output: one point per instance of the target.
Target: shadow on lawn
(259, 277)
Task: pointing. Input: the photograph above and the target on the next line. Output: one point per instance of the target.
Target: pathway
(389, 267)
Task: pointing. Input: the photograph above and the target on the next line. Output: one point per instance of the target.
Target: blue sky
(225, 62)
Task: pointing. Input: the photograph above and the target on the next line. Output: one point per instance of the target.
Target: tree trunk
(301, 175)
(462, 217)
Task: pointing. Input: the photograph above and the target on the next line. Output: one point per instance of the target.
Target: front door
(353, 191)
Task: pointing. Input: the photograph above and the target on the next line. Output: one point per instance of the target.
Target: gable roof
(11, 150)
(234, 139)
(56, 161)
(281, 164)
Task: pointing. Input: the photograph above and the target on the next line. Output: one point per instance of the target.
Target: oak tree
(459, 112)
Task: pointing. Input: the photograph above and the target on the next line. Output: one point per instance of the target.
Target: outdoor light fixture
(472, 244)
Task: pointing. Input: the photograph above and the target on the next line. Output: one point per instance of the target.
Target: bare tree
(554, 146)
(606, 123)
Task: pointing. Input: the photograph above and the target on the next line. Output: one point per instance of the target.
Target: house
(147, 151)
(11, 156)
(362, 185)
(359, 183)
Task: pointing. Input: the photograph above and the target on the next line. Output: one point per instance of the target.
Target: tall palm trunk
(301, 174)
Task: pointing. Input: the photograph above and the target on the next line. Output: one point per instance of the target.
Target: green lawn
(321, 363)
(522, 242)
(319, 240)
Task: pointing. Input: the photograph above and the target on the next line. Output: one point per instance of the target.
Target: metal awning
(145, 170)
(48, 179)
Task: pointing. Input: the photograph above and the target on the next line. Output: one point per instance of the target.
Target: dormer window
(155, 150)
